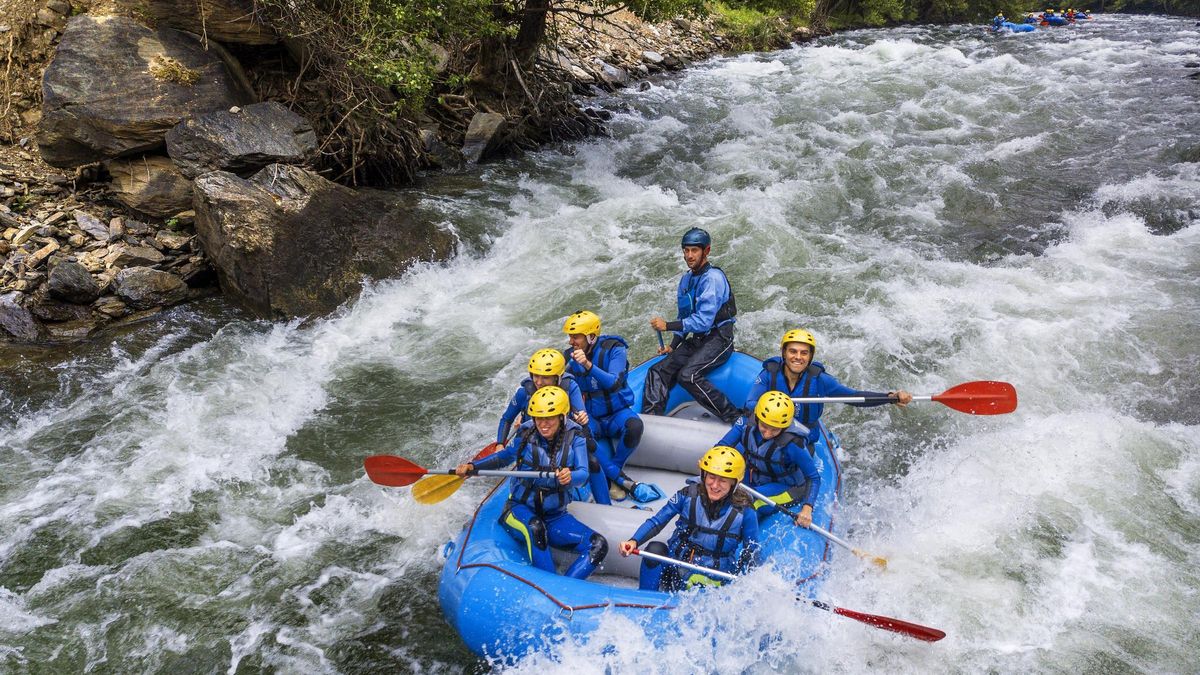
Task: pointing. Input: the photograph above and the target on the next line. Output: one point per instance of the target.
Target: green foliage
(751, 29)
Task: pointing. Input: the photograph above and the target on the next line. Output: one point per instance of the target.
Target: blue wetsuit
(781, 468)
(703, 340)
(536, 511)
(520, 401)
(609, 404)
(719, 535)
(814, 381)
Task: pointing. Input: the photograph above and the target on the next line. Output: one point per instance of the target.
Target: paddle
(985, 397)
(395, 471)
(877, 560)
(433, 489)
(912, 630)
(661, 344)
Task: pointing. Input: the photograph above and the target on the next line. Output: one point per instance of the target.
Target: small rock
(61, 6)
(134, 256)
(77, 240)
(57, 216)
(143, 287)
(683, 24)
(644, 86)
(483, 135)
(171, 240)
(71, 331)
(16, 320)
(72, 282)
(91, 225)
(24, 234)
(41, 254)
(111, 306)
(653, 58)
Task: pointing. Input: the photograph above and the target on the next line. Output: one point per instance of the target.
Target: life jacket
(532, 456)
(604, 402)
(809, 411)
(768, 461)
(726, 312)
(704, 541)
(564, 383)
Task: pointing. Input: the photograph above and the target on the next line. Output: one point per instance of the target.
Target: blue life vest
(809, 412)
(536, 454)
(709, 542)
(603, 402)
(686, 298)
(768, 460)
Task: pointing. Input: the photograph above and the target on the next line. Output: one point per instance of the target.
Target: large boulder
(71, 282)
(150, 184)
(16, 321)
(288, 242)
(116, 87)
(484, 136)
(241, 142)
(145, 287)
(229, 21)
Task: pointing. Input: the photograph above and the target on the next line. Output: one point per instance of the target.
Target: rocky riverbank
(146, 163)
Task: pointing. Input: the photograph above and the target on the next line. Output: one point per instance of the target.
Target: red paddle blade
(488, 449)
(895, 625)
(392, 471)
(980, 398)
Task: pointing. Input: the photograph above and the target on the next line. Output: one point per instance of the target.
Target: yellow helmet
(547, 362)
(798, 335)
(548, 402)
(775, 409)
(582, 322)
(724, 461)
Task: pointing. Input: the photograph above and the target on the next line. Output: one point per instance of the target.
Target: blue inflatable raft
(504, 608)
(1013, 27)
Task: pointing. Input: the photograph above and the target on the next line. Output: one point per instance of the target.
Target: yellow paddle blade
(433, 489)
(879, 561)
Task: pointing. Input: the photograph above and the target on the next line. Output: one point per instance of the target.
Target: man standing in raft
(795, 373)
(600, 364)
(536, 511)
(715, 528)
(703, 334)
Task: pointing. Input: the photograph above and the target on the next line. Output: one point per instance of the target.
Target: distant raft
(1013, 27)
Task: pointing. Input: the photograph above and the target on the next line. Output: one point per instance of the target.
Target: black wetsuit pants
(687, 365)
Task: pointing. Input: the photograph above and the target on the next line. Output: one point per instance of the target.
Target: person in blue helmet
(547, 367)
(795, 373)
(715, 528)
(703, 334)
(778, 462)
(536, 511)
(600, 364)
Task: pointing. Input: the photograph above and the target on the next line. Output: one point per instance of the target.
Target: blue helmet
(696, 237)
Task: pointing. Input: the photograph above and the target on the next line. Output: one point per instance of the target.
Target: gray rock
(134, 256)
(484, 135)
(150, 184)
(91, 225)
(652, 58)
(229, 21)
(242, 142)
(17, 321)
(71, 282)
(143, 288)
(102, 99)
(439, 153)
(613, 76)
(288, 242)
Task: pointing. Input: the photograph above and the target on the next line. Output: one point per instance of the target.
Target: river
(937, 204)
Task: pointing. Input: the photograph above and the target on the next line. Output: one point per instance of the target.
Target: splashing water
(936, 204)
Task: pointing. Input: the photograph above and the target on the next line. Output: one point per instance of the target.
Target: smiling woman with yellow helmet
(715, 527)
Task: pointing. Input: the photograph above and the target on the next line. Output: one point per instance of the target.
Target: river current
(938, 205)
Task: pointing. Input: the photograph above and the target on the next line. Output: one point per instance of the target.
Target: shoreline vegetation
(157, 151)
